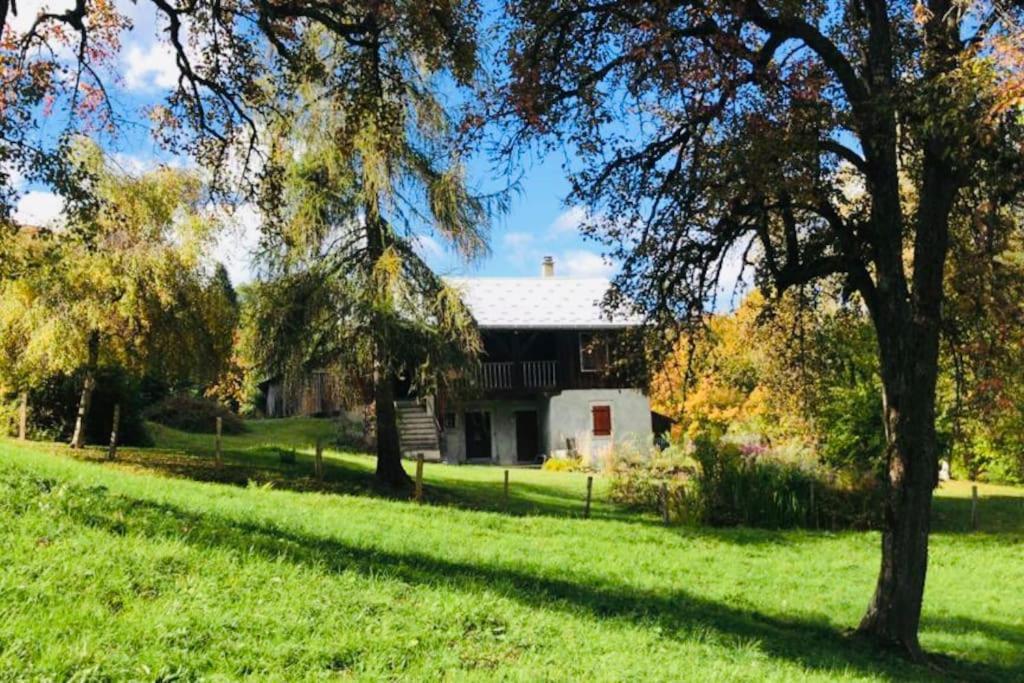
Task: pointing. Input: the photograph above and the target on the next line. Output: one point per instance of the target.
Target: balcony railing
(540, 374)
(497, 375)
(531, 374)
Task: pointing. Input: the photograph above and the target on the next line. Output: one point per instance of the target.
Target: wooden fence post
(23, 417)
(318, 460)
(974, 507)
(814, 510)
(112, 451)
(220, 427)
(590, 489)
(664, 503)
(504, 495)
(419, 477)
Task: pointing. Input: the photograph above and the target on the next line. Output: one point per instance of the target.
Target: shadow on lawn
(678, 613)
(263, 465)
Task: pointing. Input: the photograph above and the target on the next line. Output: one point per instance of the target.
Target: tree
(354, 178)
(810, 139)
(136, 292)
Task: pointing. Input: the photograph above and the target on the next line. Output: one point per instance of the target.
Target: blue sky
(537, 223)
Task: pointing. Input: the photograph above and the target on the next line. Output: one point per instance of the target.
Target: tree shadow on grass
(677, 613)
(263, 465)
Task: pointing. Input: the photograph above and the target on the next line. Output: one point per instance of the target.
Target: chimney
(547, 267)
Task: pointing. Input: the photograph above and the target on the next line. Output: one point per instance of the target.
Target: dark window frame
(602, 344)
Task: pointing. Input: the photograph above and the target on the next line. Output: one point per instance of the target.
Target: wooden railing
(497, 375)
(540, 374)
(531, 374)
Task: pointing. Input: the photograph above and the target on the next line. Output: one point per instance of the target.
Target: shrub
(192, 414)
(563, 465)
(53, 407)
(722, 484)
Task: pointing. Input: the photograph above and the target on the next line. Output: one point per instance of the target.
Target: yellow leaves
(922, 15)
(387, 278)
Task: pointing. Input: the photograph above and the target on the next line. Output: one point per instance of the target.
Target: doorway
(478, 436)
(527, 435)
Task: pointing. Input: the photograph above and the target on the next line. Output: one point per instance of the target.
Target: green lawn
(116, 571)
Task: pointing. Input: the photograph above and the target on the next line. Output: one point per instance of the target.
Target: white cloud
(517, 240)
(150, 67)
(580, 263)
(237, 244)
(28, 10)
(569, 220)
(427, 247)
(38, 208)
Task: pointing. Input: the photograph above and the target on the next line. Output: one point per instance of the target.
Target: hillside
(119, 571)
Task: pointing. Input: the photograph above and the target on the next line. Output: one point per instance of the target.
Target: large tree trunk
(389, 453)
(908, 330)
(85, 400)
(894, 613)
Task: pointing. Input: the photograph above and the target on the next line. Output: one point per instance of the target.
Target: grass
(118, 572)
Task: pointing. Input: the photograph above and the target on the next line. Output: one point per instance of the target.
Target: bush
(196, 415)
(53, 408)
(722, 484)
(563, 465)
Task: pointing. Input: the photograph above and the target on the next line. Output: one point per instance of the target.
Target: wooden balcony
(511, 375)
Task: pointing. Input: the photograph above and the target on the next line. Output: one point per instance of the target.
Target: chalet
(549, 383)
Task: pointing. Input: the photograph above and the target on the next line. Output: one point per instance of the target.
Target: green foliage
(721, 483)
(135, 290)
(53, 405)
(852, 436)
(193, 414)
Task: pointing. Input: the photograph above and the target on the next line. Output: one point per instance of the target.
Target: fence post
(23, 417)
(419, 477)
(974, 507)
(814, 510)
(590, 489)
(664, 503)
(112, 451)
(220, 427)
(504, 495)
(318, 461)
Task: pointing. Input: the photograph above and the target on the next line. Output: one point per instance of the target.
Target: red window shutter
(602, 420)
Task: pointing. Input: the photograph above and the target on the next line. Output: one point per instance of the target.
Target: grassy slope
(116, 573)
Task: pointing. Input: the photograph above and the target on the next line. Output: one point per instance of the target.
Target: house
(549, 383)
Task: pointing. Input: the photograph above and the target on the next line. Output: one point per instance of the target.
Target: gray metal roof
(539, 303)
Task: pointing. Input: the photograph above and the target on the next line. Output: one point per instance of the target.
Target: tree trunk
(389, 452)
(894, 613)
(908, 338)
(85, 401)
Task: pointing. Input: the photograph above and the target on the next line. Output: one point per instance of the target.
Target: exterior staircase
(417, 431)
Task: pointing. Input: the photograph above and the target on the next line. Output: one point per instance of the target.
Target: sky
(537, 224)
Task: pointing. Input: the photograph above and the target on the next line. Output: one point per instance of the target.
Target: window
(602, 418)
(593, 353)
(449, 421)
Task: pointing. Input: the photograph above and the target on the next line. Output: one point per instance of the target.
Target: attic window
(593, 353)
(602, 418)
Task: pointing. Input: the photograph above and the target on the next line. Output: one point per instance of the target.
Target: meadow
(165, 566)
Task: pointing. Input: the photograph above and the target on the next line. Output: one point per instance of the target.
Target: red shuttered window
(602, 420)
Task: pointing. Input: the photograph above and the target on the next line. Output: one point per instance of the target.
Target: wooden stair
(417, 431)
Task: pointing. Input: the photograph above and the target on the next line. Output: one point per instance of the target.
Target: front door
(478, 436)
(527, 435)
